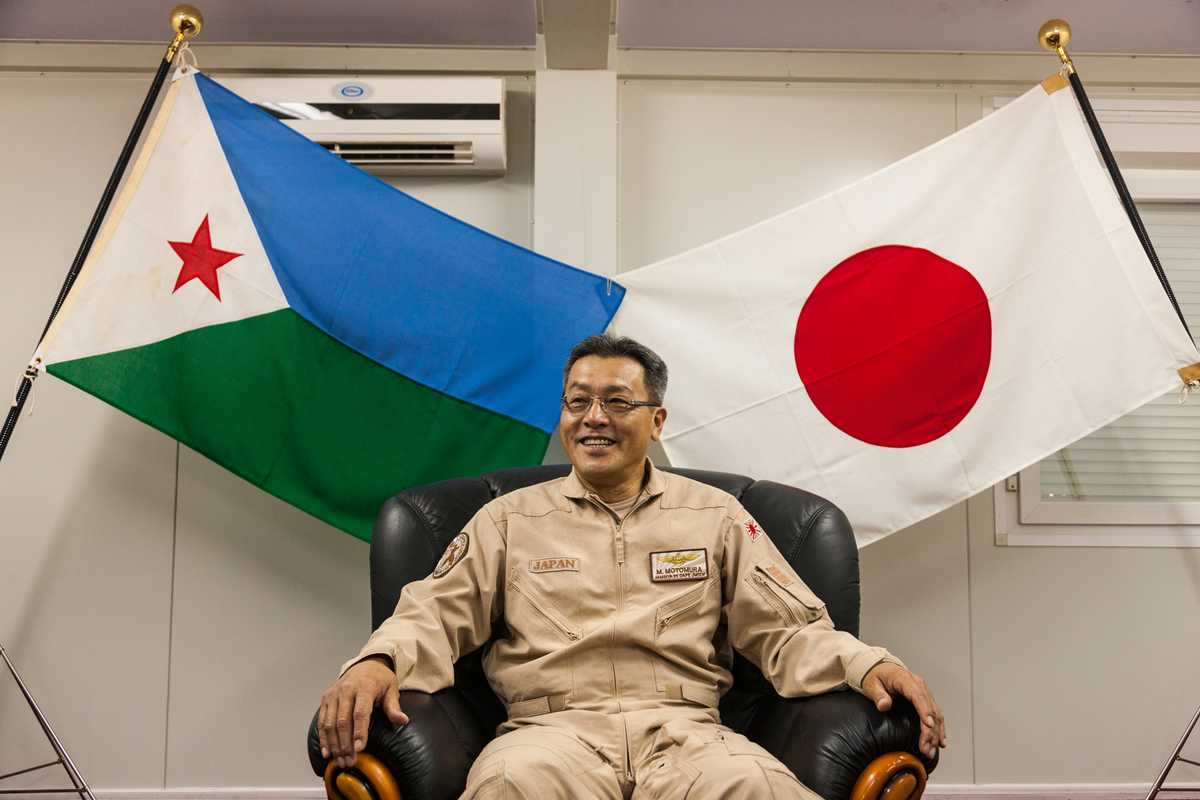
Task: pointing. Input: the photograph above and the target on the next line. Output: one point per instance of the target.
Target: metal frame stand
(1174, 759)
(81, 787)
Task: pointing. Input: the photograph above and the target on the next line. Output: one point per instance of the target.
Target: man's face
(608, 448)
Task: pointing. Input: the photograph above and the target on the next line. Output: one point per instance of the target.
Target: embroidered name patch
(679, 565)
(753, 530)
(781, 577)
(554, 565)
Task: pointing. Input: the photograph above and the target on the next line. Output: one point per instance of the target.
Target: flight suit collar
(655, 485)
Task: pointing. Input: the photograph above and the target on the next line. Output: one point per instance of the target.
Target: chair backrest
(414, 527)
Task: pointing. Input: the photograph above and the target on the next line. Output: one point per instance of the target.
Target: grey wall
(178, 625)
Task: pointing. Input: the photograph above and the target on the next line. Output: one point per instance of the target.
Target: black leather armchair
(837, 744)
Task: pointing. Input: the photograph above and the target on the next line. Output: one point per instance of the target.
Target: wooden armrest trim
(893, 776)
(353, 783)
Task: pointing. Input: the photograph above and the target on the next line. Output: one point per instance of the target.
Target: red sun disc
(894, 344)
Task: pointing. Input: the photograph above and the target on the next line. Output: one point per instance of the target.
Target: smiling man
(605, 435)
(624, 591)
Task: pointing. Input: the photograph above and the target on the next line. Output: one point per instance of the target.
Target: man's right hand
(346, 707)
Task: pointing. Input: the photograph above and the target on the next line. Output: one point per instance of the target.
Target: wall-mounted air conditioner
(393, 125)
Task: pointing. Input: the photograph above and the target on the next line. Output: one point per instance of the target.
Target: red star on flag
(201, 260)
(753, 531)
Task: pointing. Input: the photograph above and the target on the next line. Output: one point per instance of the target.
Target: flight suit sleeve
(779, 624)
(447, 614)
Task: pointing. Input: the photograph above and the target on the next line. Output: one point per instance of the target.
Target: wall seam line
(958, 101)
(971, 644)
(171, 620)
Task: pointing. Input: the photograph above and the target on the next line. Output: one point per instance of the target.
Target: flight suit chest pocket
(672, 610)
(537, 608)
(794, 602)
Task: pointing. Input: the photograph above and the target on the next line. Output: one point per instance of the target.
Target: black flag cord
(25, 384)
(1054, 36)
(186, 21)
(1135, 218)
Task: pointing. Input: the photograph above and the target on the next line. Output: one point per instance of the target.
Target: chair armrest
(431, 755)
(828, 740)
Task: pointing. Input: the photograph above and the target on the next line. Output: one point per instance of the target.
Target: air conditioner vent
(285, 110)
(381, 156)
(392, 125)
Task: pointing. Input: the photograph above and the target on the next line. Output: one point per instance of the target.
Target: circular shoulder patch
(455, 551)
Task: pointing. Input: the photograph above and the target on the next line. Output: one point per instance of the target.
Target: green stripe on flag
(304, 417)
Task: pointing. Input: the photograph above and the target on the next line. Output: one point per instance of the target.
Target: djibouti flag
(309, 327)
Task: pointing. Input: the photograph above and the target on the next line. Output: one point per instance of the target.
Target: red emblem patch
(753, 530)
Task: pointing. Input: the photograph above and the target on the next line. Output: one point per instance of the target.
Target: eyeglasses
(580, 404)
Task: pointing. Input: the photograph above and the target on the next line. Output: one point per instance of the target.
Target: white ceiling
(1100, 26)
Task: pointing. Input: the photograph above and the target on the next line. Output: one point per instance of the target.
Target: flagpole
(186, 21)
(1054, 36)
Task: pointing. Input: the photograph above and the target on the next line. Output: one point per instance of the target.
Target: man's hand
(346, 708)
(886, 679)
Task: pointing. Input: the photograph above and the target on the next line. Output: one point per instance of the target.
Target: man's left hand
(886, 679)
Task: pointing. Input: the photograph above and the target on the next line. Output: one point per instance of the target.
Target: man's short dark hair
(606, 345)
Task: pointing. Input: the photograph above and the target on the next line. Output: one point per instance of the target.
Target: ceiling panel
(489, 23)
(1098, 26)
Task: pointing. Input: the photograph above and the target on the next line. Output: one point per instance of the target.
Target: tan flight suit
(619, 640)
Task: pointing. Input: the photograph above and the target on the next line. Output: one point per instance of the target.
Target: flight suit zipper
(619, 541)
(767, 591)
(619, 552)
(618, 523)
(619, 547)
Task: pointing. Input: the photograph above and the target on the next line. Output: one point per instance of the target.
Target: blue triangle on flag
(417, 290)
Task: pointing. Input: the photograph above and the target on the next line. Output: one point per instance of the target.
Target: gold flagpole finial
(186, 21)
(1054, 36)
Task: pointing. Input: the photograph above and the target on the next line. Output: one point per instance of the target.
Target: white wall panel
(914, 593)
(702, 159)
(86, 494)
(575, 196)
(1083, 657)
(268, 604)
